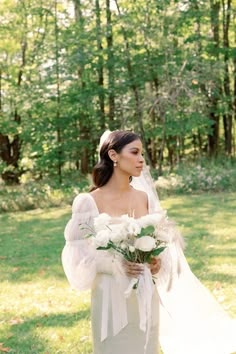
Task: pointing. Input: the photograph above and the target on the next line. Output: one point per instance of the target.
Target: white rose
(101, 222)
(126, 218)
(117, 233)
(145, 243)
(152, 219)
(123, 246)
(133, 228)
(102, 238)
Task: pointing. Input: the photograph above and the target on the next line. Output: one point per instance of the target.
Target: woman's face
(130, 159)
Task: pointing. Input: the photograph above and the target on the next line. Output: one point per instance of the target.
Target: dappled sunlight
(30, 215)
(44, 313)
(208, 225)
(39, 308)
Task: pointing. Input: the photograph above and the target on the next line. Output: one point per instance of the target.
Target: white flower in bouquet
(101, 222)
(126, 218)
(145, 243)
(102, 238)
(117, 232)
(123, 246)
(152, 219)
(133, 228)
(131, 225)
(131, 249)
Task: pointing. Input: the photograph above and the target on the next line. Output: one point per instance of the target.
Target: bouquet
(137, 240)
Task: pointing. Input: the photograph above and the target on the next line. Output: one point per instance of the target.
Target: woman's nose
(141, 159)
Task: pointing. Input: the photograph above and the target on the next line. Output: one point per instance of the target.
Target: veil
(191, 320)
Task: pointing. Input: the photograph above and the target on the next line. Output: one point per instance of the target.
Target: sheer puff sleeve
(80, 259)
(78, 255)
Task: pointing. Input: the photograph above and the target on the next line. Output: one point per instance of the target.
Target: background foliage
(70, 69)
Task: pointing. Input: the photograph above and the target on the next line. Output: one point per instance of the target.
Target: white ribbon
(113, 294)
(144, 291)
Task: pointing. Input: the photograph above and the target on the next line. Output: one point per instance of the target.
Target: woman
(130, 325)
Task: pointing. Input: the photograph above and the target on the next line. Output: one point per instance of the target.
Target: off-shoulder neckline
(118, 216)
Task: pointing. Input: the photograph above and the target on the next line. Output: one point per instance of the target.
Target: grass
(39, 312)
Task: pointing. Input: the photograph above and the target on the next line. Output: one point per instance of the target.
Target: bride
(177, 311)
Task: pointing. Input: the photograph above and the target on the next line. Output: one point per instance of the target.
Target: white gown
(185, 318)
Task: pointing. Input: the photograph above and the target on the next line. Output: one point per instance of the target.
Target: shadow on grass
(32, 242)
(27, 337)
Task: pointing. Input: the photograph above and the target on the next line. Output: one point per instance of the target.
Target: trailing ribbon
(144, 291)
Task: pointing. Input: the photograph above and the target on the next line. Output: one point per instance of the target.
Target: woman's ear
(113, 155)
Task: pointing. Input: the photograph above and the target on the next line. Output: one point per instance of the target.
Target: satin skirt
(130, 340)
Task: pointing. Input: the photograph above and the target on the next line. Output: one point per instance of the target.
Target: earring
(115, 163)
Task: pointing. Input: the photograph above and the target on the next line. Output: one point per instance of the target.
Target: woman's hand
(133, 269)
(155, 265)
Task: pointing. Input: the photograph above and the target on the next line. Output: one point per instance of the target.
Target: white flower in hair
(104, 137)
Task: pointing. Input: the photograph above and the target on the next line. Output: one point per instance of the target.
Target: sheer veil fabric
(191, 321)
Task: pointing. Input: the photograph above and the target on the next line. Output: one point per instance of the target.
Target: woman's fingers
(133, 269)
(155, 265)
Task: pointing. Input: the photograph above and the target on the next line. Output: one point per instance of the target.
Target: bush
(206, 176)
(40, 194)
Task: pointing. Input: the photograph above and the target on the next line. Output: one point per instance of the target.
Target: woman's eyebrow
(135, 148)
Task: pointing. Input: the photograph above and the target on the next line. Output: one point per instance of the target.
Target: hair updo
(116, 140)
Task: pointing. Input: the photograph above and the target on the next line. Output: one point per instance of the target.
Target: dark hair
(103, 170)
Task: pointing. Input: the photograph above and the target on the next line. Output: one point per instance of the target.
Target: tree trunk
(83, 119)
(110, 65)
(234, 91)
(58, 101)
(10, 148)
(135, 89)
(100, 67)
(213, 138)
(171, 143)
(228, 116)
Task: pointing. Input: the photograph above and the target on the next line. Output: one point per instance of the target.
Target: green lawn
(41, 314)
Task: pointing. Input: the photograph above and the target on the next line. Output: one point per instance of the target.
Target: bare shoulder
(97, 194)
(141, 196)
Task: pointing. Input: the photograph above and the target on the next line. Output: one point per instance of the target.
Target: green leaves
(66, 75)
(147, 231)
(156, 252)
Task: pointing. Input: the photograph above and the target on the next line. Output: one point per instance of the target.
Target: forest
(71, 69)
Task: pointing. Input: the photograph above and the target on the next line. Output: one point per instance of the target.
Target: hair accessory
(103, 138)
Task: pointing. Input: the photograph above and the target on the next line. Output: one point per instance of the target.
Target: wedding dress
(184, 317)
(115, 319)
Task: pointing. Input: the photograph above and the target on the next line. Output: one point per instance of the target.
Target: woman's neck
(118, 183)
